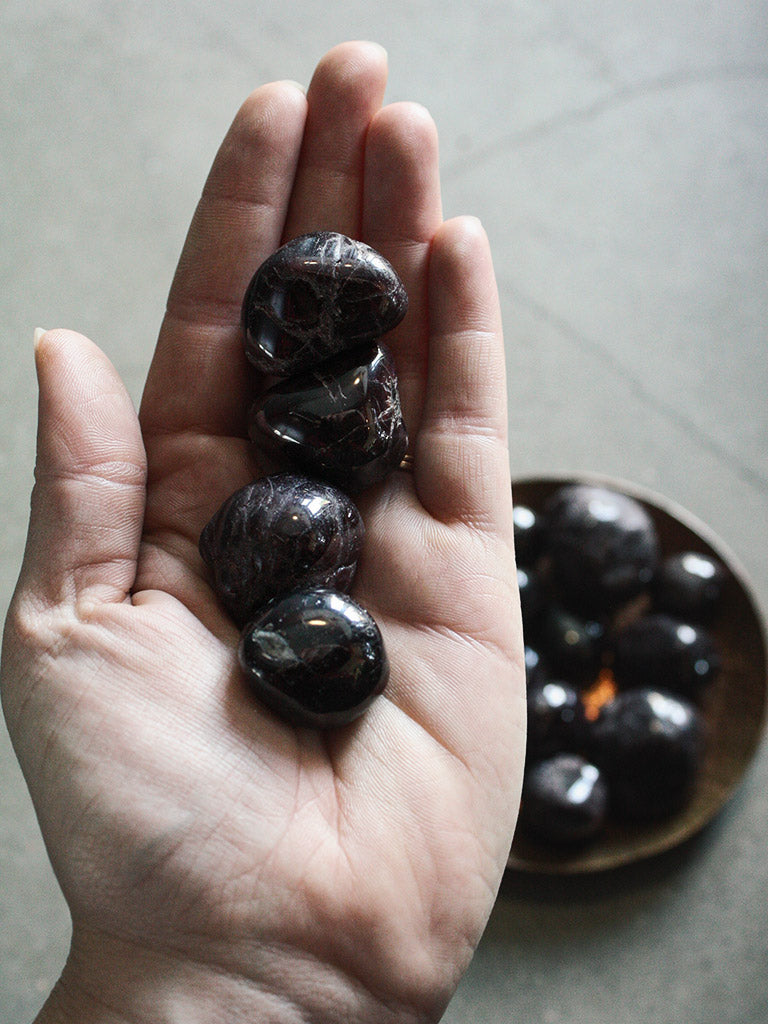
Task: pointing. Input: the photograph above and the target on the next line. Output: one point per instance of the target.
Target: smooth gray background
(617, 151)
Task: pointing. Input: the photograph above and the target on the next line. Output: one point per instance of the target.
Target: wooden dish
(734, 707)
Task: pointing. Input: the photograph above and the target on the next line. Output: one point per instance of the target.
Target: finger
(401, 213)
(461, 457)
(88, 499)
(198, 380)
(345, 92)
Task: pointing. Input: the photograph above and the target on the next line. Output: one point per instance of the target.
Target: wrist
(108, 981)
(112, 982)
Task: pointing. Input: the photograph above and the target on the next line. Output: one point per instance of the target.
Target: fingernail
(39, 332)
(298, 85)
(382, 48)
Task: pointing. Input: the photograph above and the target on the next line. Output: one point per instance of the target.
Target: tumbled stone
(650, 744)
(342, 421)
(280, 533)
(556, 719)
(676, 655)
(689, 584)
(565, 800)
(316, 296)
(603, 546)
(315, 658)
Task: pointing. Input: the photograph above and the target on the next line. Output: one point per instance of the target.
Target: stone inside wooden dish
(734, 707)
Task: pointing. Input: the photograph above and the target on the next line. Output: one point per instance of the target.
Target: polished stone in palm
(315, 657)
(316, 296)
(341, 421)
(277, 534)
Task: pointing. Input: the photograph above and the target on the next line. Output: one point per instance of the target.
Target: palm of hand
(181, 816)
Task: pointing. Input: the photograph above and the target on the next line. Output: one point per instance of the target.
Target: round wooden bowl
(734, 706)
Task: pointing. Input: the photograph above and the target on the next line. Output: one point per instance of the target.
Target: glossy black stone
(649, 743)
(316, 296)
(689, 584)
(532, 596)
(572, 645)
(555, 719)
(536, 670)
(528, 534)
(663, 651)
(342, 421)
(280, 533)
(565, 800)
(315, 658)
(603, 545)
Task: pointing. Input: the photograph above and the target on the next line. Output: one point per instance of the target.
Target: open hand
(218, 863)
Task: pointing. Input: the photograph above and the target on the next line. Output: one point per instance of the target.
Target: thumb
(90, 477)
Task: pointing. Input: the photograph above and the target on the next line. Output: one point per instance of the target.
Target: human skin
(218, 863)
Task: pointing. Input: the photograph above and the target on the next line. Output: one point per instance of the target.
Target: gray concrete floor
(617, 151)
